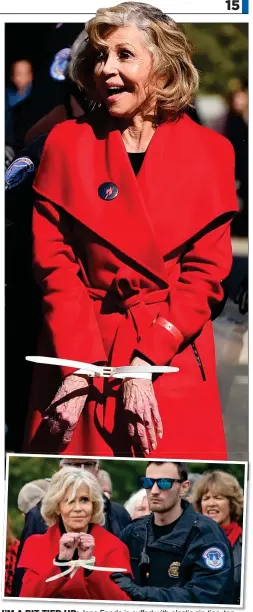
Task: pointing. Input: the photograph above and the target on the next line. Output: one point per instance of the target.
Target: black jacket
(237, 557)
(116, 517)
(23, 299)
(191, 564)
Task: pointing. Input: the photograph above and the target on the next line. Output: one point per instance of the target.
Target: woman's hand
(67, 545)
(67, 405)
(85, 546)
(144, 421)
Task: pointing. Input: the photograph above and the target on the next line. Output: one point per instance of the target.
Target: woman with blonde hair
(218, 495)
(131, 233)
(73, 509)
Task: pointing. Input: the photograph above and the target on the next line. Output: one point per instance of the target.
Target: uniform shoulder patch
(18, 171)
(58, 68)
(214, 558)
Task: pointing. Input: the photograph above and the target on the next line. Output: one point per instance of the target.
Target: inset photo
(158, 531)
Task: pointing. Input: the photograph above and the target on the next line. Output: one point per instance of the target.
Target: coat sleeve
(68, 310)
(35, 585)
(34, 581)
(104, 588)
(203, 267)
(206, 262)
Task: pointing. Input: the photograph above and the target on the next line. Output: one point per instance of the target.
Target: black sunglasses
(162, 483)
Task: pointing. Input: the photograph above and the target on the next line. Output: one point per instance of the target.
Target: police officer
(177, 554)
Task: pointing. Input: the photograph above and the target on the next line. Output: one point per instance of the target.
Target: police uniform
(193, 563)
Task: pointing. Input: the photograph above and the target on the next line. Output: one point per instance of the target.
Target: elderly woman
(218, 495)
(131, 243)
(137, 504)
(73, 509)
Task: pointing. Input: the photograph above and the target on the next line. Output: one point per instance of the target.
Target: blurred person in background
(177, 555)
(135, 313)
(236, 130)
(73, 511)
(105, 482)
(49, 87)
(218, 495)
(31, 494)
(137, 504)
(12, 545)
(51, 71)
(21, 78)
(193, 478)
(29, 503)
(19, 90)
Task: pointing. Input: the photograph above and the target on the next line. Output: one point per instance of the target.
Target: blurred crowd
(214, 493)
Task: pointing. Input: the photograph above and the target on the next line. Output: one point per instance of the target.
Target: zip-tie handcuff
(73, 566)
(89, 369)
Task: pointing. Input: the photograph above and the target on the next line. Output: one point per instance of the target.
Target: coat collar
(156, 213)
(126, 222)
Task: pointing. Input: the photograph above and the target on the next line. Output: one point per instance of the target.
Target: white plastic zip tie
(73, 566)
(89, 369)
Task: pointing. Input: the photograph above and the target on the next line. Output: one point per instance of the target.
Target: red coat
(107, 268)
(37, 558)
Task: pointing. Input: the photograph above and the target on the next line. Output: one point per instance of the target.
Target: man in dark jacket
(177, 554)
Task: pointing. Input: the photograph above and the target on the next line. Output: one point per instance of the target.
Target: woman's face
(216, 506)
(141, 508)
(76, 514)
(122, 72)
(240, 101)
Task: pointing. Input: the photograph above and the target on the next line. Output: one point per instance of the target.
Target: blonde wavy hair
(220, 483)
(75, 478)
(166, 41)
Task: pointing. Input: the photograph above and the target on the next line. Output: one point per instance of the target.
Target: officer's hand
(64, 411)
(141, 408)
(126, 583)
(67, 545)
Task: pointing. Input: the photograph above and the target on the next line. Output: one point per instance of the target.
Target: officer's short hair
(181, 468)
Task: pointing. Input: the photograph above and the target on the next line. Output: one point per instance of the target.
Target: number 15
(232, 5)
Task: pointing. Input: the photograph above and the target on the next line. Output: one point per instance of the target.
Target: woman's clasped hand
(69, 542)
(141, 410)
